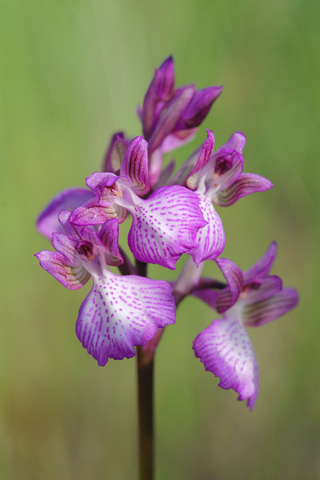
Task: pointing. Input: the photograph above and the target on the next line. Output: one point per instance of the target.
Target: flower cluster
(170, 215)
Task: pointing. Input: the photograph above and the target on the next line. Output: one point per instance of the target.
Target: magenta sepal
(71, 275)
(135, 166)
(268, 309)
(69, 199)
(122, 312)
(115, 153)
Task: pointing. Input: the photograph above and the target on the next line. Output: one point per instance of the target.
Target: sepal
(115, 153)
(135, 166)
(246, 184)
(47, 222)
(72, 276)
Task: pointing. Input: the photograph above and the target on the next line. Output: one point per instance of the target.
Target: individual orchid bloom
(220, 175)
(251, 299)
(164, 226)
(120, 312)
(170, 116)
(69, 199)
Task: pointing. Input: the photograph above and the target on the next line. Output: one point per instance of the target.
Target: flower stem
(145, 414)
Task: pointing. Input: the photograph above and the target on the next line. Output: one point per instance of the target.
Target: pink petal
(210, 239)
(72, 276)
(165, 225)
(122, 312)
(226, 350)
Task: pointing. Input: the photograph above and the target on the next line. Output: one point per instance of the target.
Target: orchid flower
(219, 175)
(120, 312)
(251, 299)
(164, 226)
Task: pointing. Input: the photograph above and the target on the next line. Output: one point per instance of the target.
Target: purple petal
(72, 276)
(135, 166)
(246, 184)
(69, 199)
(170, 116)
(67, 246)
(109, 235)
(260, 312)
(236, 142)
(160, 91)
(210, 240)
(199, 107)
(165, 225)
(234, 277)
(261, 289)
(225, 350)
(263, 266)
(98, 180)
(122, 312)
(115, 153)
(92, 213)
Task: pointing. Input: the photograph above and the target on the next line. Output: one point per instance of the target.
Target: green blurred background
(72, 73)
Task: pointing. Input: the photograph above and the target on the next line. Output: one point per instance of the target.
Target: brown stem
(145, 414)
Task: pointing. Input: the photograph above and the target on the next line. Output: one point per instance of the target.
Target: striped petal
(263, 266)
(115, 153)
(135, 166)
(265, 310)
(225, 350)
(72, 276)
(210, 240)
(165, 225)
(234, 277)
(122, 312)
(246, 184)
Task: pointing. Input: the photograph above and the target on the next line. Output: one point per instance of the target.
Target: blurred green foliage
(72, 73)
